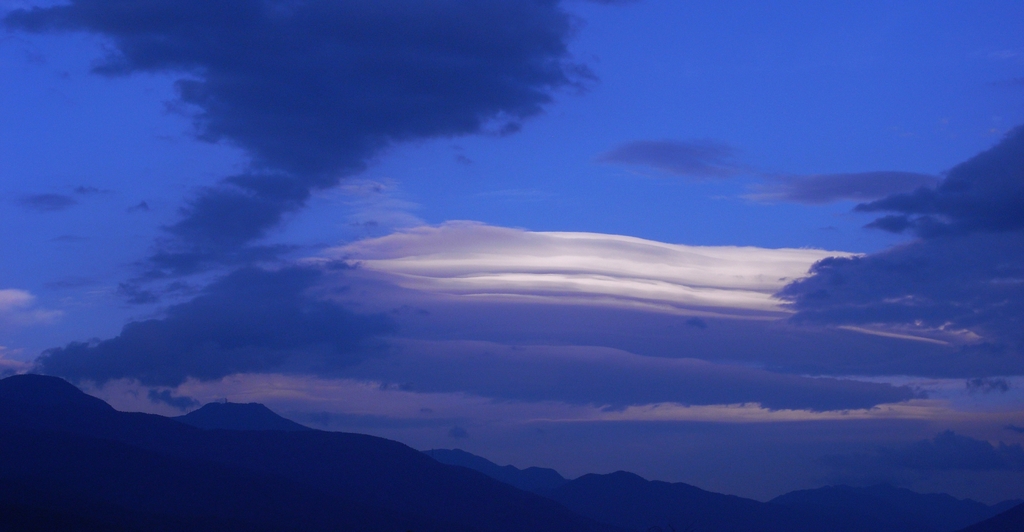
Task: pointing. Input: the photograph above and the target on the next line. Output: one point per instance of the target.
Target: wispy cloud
(829, 188)
(695, 159)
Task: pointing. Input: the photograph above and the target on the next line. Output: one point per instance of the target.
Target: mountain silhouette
(533, 479)
(66, 454)
(885, 508)
(1011, 520)
(629, 501)
(70, 462)
(238, 416)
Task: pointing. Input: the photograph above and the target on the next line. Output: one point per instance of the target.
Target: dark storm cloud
(827, 188)
(312, 89)
(699, 159)
(965, 272)
(945, 452)
(48, 202)
(983, 194)
(252, 320)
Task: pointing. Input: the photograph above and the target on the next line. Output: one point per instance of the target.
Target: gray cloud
(312, 89)
(964, 273)
(48, 202)
(252, 320)
(698, 159)
(828, 188)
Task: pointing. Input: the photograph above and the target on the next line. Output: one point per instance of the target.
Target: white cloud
(17, 308)
(475, 260)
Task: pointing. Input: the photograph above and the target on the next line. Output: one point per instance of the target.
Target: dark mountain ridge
(1011, 520)
(630, 501)
(890, 509)
(65, 445)
(68, 461)
(538, 480)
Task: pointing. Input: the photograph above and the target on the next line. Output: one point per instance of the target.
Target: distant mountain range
(70, 462)
(629, 501)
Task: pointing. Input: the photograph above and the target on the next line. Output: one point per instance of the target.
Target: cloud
(697, 323)
(465, 259)
(947, 451)
(10, 366)
(988, 385)
(165, 397)
(607, 377)
(48, 202)
(983, 194)
(86, 190)
(458, 432)
(828, 188)
(1015, 428)
(312, 90)
(697, 159)
(250, 320)
(962, 279)
(17, 308)
(142, 206)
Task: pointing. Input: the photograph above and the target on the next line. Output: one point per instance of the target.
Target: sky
(751, 247)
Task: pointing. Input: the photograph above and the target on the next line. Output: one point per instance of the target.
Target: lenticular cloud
(465, 259)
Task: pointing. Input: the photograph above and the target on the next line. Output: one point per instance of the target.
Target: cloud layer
(480, 261)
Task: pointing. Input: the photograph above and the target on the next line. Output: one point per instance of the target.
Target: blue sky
(631, 171)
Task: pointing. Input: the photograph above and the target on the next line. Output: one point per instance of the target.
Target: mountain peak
(238, 416)
(34, 392)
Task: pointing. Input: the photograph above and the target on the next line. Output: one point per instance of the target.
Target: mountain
(629, 501)
(238, 416)
(885, 508)
(73, 458)
(533, 479)
(1011, 520)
